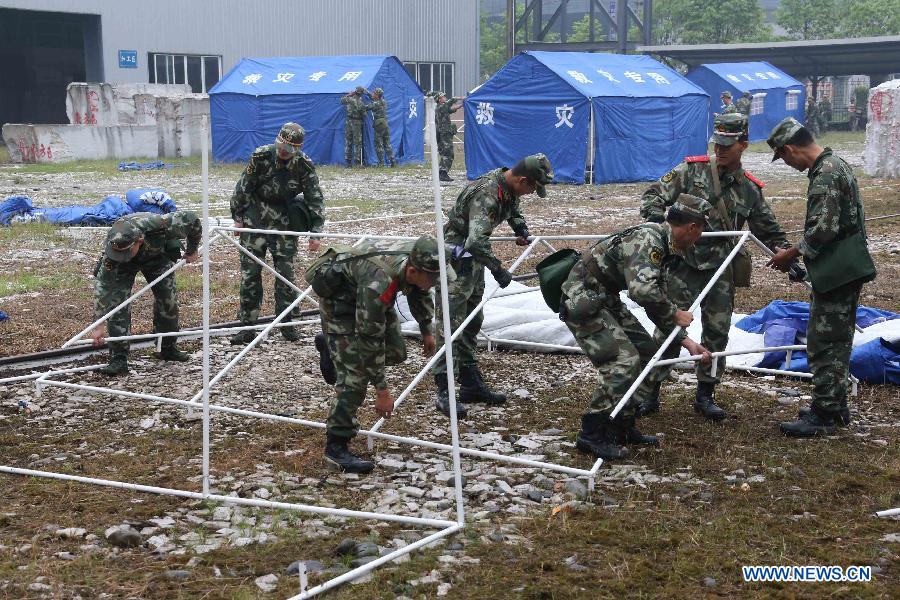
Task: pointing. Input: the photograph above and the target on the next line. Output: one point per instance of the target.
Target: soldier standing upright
(355, 111)
(736, 197)
(445, 130)
(146, 243)
(480, 207)
(824, 112)
(744, 103)
(357, 287)
(612, 338)
(383, 149)
(834, 249)
(275, 177)
(727, 105)
(812, 116)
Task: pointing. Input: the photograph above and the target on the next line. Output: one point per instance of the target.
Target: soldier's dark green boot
(597, 438)
(627, 433)
(442, 402)
(241, 337)
(339, 457)
(473, 389)
(326, 365)
(705, 402)
(813, 423)
(842, 418)
(393, 163)
(118, 365)
(651, 404)
(290, 333)
(169, 351)
(444, 176)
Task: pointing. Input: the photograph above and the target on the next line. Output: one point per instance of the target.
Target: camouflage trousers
(619, 347)
(352, 380)
(113, 286)
(353, 141)
(383, 147)
(282, 248)
(445, 149)
(829, 340)
(463, 294)
(684, 284)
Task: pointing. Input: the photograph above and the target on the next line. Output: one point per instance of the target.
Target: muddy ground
(670, 522)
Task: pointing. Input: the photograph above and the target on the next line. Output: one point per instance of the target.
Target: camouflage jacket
(365, 291)
(160, 230)
(632, 260)
(480, 207)
(378, 108)
(444, 126)
(743, 106)
(728, 108)
(742, 194)
(833, 207)
(354, 106)
(268, 183)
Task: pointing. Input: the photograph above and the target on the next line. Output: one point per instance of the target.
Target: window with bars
(432, 75)
(200, 71)
(757, 104)
(792, 100)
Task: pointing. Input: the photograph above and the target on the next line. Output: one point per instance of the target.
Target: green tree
(863, 18)
(808, 19)
(492, 46)
(705, 22)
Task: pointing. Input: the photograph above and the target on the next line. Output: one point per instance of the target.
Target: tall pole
(510, 28)
(205, 176)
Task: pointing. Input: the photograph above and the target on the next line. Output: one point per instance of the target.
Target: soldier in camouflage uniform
(383, 149)
(612, 338)
(834, 212)
(824, 112)
(274, 178)
(357, 288)
(147, 243)
(353, 126)
(812, 116)
(727, 105)
(742, 200)
(480, 207)
(743, 104)
(445, 130)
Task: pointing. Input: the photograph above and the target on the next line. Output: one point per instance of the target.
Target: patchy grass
(29, 233)
(830, 139)
(26, 283)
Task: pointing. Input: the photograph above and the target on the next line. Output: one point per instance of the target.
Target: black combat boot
(627, 433)
(442, 402)
(242, 337)
(290, 333)
(349, 163)
(444, 176)
(598, 439)
(705, 401)
(841, 418)
(326, 365)
(339, 457)
(472, 388)
(813, 423)
(651, 404)
(118, 365)
(170, 351)
(393, 163)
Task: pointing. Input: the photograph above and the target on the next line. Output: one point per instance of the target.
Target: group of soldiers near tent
(741, 106)
(353, 127)
(663, 264)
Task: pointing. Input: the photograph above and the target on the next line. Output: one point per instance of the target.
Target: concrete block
(64, 143)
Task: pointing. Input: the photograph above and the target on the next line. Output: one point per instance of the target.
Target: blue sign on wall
(128, 59)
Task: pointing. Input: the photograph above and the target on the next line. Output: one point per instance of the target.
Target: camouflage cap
(539, 170)
(121, 237)
(378, 92)
(728, 128)
(360, 89)
(725, 94)
(291, 133)
(782, 134)
(746, 95)
(424, 256)
(692, 207)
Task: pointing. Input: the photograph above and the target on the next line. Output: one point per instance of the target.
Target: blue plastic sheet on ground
(147, 166)
(104, 213)
(3, 316)
(782, 323)
(15, 207)
(153, 200)
(20, 209)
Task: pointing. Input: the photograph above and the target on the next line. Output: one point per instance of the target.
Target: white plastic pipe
(260, 262)
(48, 373)
(205, 175)
(894, 512)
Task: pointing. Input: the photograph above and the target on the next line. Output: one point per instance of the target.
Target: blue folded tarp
(783, 323)
(20, 209)
(15, 207)
(152, 200)
(147, 166)
(105, 213)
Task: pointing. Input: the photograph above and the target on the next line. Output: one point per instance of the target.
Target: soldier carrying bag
(552, 273)
(742, 263)
(298, 214)
(842, 261)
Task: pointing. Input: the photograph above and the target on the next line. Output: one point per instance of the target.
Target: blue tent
(251, 103)
(646, 117)
(776, 94)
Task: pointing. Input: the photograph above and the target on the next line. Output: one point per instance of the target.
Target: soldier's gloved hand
(797, 273)
(522, 236)
(502, 277)
(384, 404)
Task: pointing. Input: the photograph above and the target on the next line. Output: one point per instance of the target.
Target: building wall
(412, 30)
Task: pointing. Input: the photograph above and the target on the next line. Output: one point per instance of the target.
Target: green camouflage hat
(360, 89)
(782, 134)
(291, 133)
(746, 95)
(725, 94)
(538, 169)
(121, 237)
(729, 127)
(378, 92)
(424, 256)
(692, 207)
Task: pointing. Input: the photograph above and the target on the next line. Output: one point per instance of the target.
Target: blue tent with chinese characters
(776, 94)
(251, 103)
(606, 117)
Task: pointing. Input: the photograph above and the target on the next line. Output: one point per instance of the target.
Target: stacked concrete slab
(115, 121)
(881, 157)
